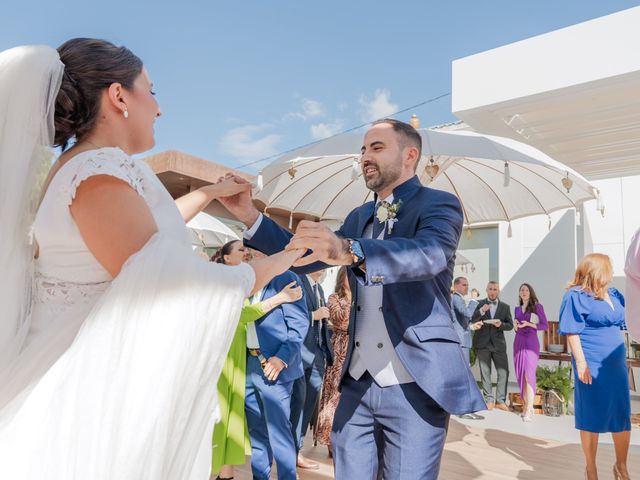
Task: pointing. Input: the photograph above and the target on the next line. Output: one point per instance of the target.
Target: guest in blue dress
(592, 315)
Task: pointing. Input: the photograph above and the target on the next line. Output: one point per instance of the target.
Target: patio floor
(502, 447)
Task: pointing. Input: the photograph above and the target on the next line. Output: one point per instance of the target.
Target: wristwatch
(356, 252)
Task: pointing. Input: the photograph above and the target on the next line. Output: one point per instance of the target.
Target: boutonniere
(387, 213)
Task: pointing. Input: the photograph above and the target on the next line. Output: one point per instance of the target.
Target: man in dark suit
(273, 364)
(316, 354)
(491, 319)
(404, 371)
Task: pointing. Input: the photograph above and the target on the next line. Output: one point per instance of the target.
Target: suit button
(380, 345)
(358, 308)
(357, 344)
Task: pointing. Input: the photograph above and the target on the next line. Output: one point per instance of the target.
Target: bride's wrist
(211, 191)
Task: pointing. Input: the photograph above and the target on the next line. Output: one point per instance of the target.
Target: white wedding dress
(117, 377)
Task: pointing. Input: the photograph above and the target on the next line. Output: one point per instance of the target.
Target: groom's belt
(255, 352)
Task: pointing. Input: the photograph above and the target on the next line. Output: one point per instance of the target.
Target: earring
(125, 113)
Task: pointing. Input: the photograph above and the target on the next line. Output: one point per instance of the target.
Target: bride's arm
(114, 220)
(194, 202)
(269, 267)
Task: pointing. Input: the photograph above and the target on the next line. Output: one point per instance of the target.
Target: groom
(404, 370)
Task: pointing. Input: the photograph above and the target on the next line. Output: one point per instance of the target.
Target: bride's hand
(227, 187)
(291, 293)
(294, 255)
(239, 203)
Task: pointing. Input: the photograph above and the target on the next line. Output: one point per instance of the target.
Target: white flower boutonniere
(387, 213)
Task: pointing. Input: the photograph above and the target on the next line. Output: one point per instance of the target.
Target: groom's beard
(383, 178)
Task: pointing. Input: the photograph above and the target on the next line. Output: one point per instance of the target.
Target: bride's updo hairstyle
(90, 66)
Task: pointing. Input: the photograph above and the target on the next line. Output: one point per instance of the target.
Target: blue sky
(240, 81)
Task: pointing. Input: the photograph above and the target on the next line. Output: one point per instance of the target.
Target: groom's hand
(326, 246)
(240, 204)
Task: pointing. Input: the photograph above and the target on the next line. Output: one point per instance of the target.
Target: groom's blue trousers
(397, 429)
(267, 406)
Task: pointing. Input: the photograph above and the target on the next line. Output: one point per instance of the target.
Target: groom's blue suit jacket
(414, 264)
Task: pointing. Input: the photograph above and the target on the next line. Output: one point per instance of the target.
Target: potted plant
(558, 381)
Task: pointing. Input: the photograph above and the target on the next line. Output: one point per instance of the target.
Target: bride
(113, 332)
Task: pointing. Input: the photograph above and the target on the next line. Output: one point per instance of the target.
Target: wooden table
(566, 357)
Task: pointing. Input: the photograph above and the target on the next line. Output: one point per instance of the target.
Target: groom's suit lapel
(404, 193)
(365, 215)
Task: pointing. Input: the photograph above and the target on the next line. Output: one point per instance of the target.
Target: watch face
(356, 251)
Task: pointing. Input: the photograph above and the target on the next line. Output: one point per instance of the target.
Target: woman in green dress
(231, 436)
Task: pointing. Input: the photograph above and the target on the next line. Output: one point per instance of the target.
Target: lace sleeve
(107, 161)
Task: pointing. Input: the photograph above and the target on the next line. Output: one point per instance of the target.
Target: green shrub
(558, 379)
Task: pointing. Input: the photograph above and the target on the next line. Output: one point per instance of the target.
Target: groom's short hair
(407, 135)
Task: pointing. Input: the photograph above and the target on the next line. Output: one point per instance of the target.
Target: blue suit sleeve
(572, 314)
(297, 321)
(420, 258)
(271, 238)
(466, 311)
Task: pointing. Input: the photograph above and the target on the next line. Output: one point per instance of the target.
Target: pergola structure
(573, 93)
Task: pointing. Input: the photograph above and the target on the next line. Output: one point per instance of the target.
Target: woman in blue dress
(592, 315)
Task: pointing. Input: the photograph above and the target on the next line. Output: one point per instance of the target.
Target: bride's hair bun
(91, 65)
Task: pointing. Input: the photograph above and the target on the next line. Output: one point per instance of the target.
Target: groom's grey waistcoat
(374, 351)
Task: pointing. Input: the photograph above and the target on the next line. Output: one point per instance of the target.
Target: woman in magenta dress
(529, 318)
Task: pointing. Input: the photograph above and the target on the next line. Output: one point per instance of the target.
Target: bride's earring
(125, 113)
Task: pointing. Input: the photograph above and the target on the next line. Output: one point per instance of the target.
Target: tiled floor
(502, 447)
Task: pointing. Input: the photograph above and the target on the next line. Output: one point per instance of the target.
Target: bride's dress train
(117, 379)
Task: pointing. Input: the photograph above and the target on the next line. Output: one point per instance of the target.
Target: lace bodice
(66, 271)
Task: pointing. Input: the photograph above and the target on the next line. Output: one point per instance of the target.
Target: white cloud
(312, 108)
(377, 107)
(294, 116)
(320, 131)
(250, 142)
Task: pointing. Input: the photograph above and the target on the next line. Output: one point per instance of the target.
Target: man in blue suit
(404, 371)
(316, 354)
(273, 364)
(462, 313)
